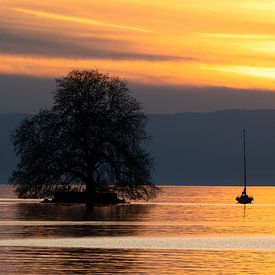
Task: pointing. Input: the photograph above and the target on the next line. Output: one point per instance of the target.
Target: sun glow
(249, 71)
(210, 42)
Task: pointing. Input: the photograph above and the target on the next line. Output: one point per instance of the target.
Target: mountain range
(192, 148)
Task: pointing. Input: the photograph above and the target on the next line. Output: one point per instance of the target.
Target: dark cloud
(28, 94)
(24, 94)
(170, 99)
(61, 45)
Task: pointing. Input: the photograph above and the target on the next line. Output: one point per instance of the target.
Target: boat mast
(244, 163)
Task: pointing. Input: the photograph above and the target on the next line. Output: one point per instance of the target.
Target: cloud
(176, 43)
(262, 72)
(239, 36)
(177, 99)
(62, 45)
(80, 20)
(24, 94)
(28, 94)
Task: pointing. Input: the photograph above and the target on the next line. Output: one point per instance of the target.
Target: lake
(186, 230)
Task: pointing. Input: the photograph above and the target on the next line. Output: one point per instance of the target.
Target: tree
(93, 137)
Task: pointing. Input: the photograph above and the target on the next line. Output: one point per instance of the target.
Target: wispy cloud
(80, 20)
(27, 94)
(238, 36)
(243, 70)
(61, 45)
(211, 42)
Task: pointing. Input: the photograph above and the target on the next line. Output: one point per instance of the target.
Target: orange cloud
(80, 20)
(211, 42)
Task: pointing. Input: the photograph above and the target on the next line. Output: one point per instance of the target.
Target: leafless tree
(93, 137)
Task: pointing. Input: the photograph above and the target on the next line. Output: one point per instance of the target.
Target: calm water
(186, 230)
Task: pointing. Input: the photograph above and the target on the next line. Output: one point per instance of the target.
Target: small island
(85, 197)
(88, 147)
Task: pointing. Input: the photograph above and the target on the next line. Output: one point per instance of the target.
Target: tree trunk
(91, 187)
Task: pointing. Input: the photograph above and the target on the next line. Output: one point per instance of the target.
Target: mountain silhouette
(192, 148)
(206, 148)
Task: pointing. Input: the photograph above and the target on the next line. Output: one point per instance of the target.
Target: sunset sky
(176, 43)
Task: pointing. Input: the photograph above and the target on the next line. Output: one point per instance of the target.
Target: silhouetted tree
(93, 136)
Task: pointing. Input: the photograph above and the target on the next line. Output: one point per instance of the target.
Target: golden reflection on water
(129, 261)
(178, 212)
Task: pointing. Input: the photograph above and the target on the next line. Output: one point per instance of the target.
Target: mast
(244, 163)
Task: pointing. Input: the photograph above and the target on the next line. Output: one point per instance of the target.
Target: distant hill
(193, 148)
(8, 160)
(206, 148)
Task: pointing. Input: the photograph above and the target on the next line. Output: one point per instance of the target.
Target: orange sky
(176, 42)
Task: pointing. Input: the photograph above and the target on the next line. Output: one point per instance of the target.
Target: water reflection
(244, 212)
(79, 212)
(179, 211)
(113, 261)
(162, 217)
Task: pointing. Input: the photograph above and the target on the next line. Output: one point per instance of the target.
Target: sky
(181, 48)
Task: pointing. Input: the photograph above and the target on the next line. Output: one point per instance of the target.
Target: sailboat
(244, 198)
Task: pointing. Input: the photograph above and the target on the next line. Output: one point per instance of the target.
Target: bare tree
(93, 137)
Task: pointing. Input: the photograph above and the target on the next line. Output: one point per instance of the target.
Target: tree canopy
(92, 137)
